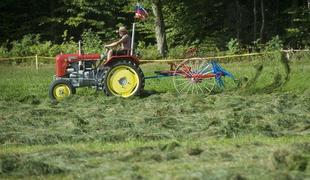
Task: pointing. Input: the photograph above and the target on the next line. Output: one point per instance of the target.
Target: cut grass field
(257, 129)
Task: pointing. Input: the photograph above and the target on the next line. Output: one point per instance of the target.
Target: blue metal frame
(219, 71)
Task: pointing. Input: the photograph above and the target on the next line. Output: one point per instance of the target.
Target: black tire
(138, 90)
(54, 84)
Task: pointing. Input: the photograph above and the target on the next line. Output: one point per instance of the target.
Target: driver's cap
(122, 29)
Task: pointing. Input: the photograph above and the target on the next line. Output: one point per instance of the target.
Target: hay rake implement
(196, 76)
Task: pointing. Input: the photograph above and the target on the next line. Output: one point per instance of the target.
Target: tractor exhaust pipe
(133, 39)
(80, 47)
(80, 53)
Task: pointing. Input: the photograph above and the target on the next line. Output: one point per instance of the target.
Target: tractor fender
(115, 59)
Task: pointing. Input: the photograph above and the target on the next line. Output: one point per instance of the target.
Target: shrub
(275, 44)
(208, 47)
(41, 49)
(3, 51)
(31, 45)
(233, 46)
(24, 46)
(147, 52)
(67, 47)
(91, 42)
(177, 52)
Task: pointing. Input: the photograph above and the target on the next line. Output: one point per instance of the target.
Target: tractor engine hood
(63, 61)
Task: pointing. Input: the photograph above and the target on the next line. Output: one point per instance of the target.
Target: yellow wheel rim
(123, 81)
(61, 91)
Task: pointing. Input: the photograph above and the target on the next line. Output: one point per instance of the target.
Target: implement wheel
(60, 89)
(194, 77)
(124, 79)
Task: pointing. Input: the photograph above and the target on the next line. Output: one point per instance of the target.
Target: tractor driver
(124, 41)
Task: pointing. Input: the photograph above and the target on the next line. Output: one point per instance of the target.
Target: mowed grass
(257, 128)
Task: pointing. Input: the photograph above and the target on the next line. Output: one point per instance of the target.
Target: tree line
(172, 23)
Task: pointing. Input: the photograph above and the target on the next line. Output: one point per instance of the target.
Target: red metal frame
(126, 57)
(63, 60)
(186, 72)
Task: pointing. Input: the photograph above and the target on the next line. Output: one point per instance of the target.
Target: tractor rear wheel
(60, 89)
(124, 79)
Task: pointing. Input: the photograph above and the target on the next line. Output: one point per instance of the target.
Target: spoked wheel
(60, 89)
(124, 79)
(194, 77)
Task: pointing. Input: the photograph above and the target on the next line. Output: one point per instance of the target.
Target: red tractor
(118, 76)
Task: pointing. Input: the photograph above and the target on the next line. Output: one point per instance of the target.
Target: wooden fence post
(37, 63)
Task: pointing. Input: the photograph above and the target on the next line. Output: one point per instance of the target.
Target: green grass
(246, 157)
(257, 129)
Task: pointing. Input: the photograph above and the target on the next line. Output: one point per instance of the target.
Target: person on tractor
(124, 42)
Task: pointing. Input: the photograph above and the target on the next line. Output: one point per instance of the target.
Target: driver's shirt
(126, 42)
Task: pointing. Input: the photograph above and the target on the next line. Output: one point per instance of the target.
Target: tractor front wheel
(124, 79)
(60, 89)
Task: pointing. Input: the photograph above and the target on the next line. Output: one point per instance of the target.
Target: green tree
(181, 22)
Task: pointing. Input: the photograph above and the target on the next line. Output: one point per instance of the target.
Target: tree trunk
(294, 4)
(263, 20)
(255, 20)
(52, 16)
(276, 22)
(160, 28)
(238, 24)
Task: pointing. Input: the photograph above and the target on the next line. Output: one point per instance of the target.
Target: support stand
(132, 39)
